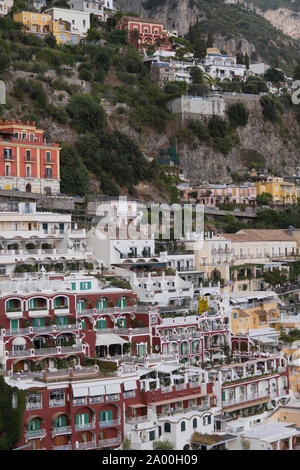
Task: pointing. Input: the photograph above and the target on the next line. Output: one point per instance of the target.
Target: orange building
(144, 32)
(28, 162)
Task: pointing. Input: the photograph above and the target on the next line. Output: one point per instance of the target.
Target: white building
(100, 8)
(32, 238)
(222, 66)
(164, 290)
(5, 7)
(79, 21)
(36, 4)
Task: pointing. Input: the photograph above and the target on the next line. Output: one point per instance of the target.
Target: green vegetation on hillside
(69, 85)
(236, 21)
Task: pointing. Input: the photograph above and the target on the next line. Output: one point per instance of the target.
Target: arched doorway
(28, 188)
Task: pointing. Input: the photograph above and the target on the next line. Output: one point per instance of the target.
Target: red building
(28, 162)
(144, 32)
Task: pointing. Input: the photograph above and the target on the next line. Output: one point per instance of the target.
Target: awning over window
(130, 385)
(96, 390)
(19, 341)
(112, 388)
(109, 338)
(80, 391)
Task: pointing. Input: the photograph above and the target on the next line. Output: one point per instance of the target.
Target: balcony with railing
(245, 399)
(110, 423)
(86, 445)
(137, 419)
(86, 426)
(58, 431)
(64, 447)
(116, 441)
(36, 434)
(97, 399)
(113, 397)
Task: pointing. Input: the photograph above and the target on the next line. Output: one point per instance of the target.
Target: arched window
(182, 426)
(167, 427)
(195, 423)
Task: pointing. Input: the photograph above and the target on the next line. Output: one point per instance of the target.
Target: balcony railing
(129, 394)
(86, 445)
(244, 399)
(113, 397)
(65, 447)
(110, 423)
(38, 433)
(110, 442)
(79, 401)
(34, 406)
(180, 386)
(84, 426)
(56, 403)
(137, 419)
(99, 399)
(62, 430)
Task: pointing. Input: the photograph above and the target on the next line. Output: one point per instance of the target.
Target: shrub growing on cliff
(87, 115)
(272, 108)
(12, 405)
(238, 115)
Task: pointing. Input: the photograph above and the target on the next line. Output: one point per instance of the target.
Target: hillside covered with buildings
(131, 325)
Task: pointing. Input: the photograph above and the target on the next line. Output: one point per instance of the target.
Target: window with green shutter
(14, 324)
(61, 321)
(106, 415)
(102, 324)
(82, 419)
(60, 422)
(38, 322)
(101, 304)
(73, 285)
(85, 285)
(34, 425)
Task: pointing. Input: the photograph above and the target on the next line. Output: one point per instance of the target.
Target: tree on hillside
(274, 75)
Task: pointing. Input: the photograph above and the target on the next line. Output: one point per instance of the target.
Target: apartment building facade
(145, 32)
(28, 162)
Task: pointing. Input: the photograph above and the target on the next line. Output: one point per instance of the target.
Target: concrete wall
(2, 92)
(191, 107)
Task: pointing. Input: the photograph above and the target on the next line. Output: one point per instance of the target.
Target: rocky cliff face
(284, 19)
(287, 19)
(173, 13)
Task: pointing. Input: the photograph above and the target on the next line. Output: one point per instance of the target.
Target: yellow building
(42, 24)
(254, 312)
(282, 191)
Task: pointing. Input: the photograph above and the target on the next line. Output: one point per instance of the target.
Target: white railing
(244, 399)
(110, 423)
(137, 419)
(113, 397)
(79, 401)
(129, 394)
(56, 403)
(194, 384)
(34, 406)
(166, 389)
(84, 426)
(86, 445)
(110, 442)
(62, 430)
(98, 399)
(22, 353)
(65, 447)
(38, 433)
(180, 386)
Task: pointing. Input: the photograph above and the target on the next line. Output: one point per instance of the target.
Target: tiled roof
(142, 20)
(258, 235)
